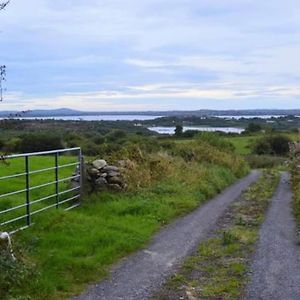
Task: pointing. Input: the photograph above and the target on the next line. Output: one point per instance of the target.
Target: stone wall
(99, 175)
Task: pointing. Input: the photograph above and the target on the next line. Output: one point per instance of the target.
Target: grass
(242, 144)
(296, 187)
(64, 251)
(219, 268)
(74, 248)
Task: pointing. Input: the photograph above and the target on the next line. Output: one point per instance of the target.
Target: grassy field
(242, 144)
(17, 166)
(64, 251)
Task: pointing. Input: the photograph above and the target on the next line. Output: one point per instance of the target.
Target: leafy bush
(13, 145)
(216, 140)
(89, 148)
(253, 128)
(264, 161)
(116, 135)
(40, 142)
(272, 145)
(13, 276)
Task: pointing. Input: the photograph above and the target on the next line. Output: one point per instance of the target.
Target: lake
(251, 117)
(171, 130)
(96, 118)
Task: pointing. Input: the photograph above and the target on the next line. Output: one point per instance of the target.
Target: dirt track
(142, 273)
(276, 263)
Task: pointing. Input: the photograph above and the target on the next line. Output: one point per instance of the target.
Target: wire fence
(36, 182)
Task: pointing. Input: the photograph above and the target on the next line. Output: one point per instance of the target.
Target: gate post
(27, 190)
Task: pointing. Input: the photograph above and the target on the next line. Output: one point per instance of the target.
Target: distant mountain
(42, 113)
(61, 112)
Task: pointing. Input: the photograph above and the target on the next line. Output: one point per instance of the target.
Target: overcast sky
(151, 54)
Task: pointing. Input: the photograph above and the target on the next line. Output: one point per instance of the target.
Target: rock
(76, 179)
(115, 187)
(99, 164)
(104, 175)
(115, 180)
(101, 182)
(74, 184)
(113, 174)
(93, 172)
(108, 169)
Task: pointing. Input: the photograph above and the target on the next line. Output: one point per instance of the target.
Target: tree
(178, 130)
(253, 128)
(2, 78)
(3, 4)
(2, 68)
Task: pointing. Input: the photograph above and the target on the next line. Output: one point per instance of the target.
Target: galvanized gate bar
(4, 157)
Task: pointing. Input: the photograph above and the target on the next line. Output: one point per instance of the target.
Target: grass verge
(64, 251)
(218, 270)
(295, 174)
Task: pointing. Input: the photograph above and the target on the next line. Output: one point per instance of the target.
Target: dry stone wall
(100, 175)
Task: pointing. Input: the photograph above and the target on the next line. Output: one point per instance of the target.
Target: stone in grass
(113, 174)
(110, 169)
(115, 187)
(99, 164)
(115, 180)
(101, 182)
(93, 172)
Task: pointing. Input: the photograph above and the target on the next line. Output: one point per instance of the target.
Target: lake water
(97, 118)
(171, 130)
(131, 117)
(251, 117)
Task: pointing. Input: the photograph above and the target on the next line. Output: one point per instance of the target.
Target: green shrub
(189, 134)
(13, 276)
(216, 140)
(272, 145)
(253, 128)
(89, 148)
(13, 145)
(116, 135)
(33, 142)
(264, 161)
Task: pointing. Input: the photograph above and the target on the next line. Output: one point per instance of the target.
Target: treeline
(95, 138)
(272, 123)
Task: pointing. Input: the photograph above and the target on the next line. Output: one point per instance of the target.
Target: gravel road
(142, 273)
(276, 263)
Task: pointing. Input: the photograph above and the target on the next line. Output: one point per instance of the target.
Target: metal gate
(19, 206)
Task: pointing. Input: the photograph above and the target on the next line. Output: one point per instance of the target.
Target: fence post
(27, 190)
(56, 180)
(81, 170)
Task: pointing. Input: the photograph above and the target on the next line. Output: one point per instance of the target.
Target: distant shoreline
(209, 113)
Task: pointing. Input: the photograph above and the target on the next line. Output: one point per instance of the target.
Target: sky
(133, 55)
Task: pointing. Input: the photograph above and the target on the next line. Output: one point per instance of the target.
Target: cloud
(129, 50)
